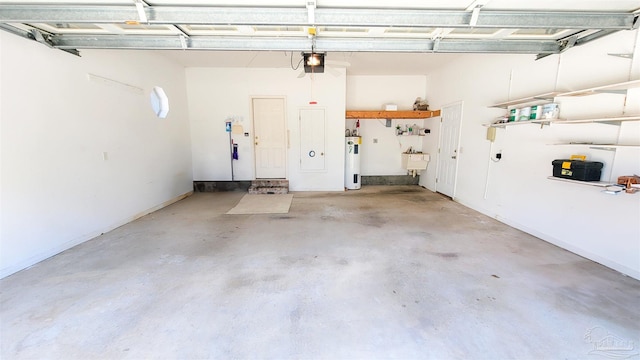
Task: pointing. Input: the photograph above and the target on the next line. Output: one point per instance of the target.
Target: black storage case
(577, 169)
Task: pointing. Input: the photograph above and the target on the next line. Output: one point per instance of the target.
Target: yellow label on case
(359, 141)
(567, 172)
(566, 164)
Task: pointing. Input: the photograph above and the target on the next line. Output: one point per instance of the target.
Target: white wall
(580, 218)
(372, 93)
(80, 158)
(219, 94)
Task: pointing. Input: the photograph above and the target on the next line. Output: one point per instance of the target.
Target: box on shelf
(513, 114)
(390, 107)
(524, 114)
(550, 111)
(536, 112)
(577, 169)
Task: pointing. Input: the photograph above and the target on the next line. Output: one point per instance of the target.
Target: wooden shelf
(382, 114)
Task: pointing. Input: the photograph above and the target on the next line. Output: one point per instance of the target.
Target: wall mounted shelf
(591, 183)
(604, 120)
(609, 147)
(531, 100)
(382, 114)
(617, 88)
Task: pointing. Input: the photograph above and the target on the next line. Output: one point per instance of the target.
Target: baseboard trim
(217, 186)
(389, 180)
(41, 256)
(625, 270)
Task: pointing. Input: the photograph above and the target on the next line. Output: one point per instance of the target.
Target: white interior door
(448, 149)
(270, 138)
(312, 132)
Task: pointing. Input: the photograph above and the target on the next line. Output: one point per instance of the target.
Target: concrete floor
(383, 272)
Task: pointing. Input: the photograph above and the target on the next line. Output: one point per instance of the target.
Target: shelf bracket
(619, 92)
(624, 56)
(612, 123)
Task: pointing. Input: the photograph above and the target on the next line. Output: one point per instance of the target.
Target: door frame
(287, 140)
(455, 176)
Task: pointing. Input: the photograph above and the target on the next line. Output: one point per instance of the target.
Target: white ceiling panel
(359, 63)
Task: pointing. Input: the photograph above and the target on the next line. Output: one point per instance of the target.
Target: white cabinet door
(312, 140)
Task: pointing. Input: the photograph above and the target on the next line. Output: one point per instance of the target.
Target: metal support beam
(16, 31)
(575, 40)
(486, 19)
(185, 15)
(594, 36)
(33, 35)
(303, 44)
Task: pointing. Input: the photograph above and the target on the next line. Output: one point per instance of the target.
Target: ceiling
(357, 33)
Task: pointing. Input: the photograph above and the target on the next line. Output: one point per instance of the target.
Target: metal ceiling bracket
(46, 39)
(142, 16)
(436, 44)
(311, 7)
(37, 36)
(568, 43)
(474, 16)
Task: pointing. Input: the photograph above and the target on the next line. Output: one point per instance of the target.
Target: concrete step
(270, 182)
(269, 186)
(268, 190)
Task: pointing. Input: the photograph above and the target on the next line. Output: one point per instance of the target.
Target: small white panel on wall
(159, 102)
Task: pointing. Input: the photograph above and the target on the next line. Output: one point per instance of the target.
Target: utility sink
(415, 161)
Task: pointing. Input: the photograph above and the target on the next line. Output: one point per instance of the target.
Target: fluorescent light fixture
(313, 62)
